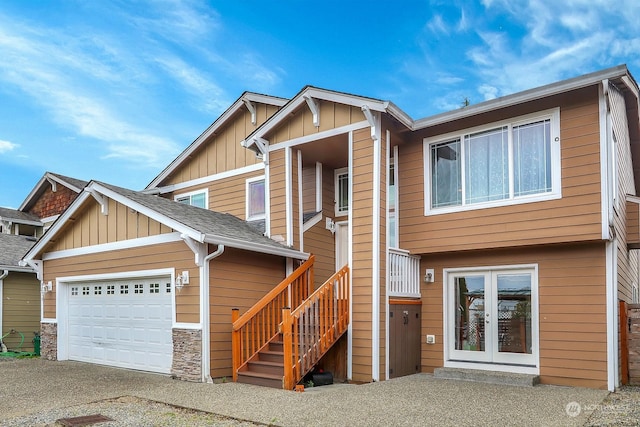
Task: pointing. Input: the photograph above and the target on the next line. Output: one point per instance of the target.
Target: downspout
(205, 310)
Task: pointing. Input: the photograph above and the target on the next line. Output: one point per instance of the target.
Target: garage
(123, 323)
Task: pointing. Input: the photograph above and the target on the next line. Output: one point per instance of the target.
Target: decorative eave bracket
(101, 199)
(196, 247)
(54, 185)
(252, 109)
(373, 122)
(315, 109)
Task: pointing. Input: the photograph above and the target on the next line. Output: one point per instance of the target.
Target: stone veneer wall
(633, 340)
(49, 341)
(187, 354)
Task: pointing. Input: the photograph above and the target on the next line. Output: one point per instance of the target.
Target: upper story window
(256, 205)
(342, 191)
(194, 198)
(509, 162)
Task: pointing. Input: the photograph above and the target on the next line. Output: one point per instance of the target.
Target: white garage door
(123, 323)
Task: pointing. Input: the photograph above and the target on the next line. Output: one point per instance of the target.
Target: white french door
(492, 315)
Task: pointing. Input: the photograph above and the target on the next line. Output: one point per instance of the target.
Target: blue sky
(115, 90)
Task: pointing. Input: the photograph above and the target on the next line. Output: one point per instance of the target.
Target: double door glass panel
(491, 317)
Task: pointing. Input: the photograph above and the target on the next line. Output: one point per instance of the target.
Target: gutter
(256, 247)
(4, 274)
(205, 306)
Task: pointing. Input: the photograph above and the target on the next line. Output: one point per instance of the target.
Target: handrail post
(287, 380)
(235, 344)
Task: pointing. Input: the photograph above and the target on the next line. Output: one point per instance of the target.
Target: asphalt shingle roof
(202, 220)
(13, 248)
(17, 216)
(78, 183)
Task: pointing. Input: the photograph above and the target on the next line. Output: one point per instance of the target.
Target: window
(255, 198)
(342, 191)
(392, 195)
(508, 162)
(195, 198)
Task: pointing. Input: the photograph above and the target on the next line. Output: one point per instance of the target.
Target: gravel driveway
(36, 392)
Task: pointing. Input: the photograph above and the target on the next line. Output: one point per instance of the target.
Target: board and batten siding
(20, 309)
(574, 217)
(223, 152)
(161, 256)
(300, 123)
(236, 283)
(572, 308)
(90, 227)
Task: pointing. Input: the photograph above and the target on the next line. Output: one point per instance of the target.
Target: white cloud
(208, 93)
(6, 146)
(488, 92)
(437, 25)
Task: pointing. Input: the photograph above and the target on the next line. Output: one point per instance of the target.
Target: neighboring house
(19, 288)
(19, 294)
(50, 197)
(498, 237)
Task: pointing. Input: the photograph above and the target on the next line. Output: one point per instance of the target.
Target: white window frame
(340, 211)
(248, 183)
(190, 195)
(556, 191)
(532, 365)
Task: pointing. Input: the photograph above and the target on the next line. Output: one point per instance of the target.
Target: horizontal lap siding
(90, 227)
(20, 309)
(627, 260)
(574, 217)
(237, 283)
(277, 193)
(572, 310)
(362, 251)
(169, 255)
(223, 152)
(318, 240)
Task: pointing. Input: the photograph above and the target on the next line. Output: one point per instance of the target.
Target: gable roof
(217, 124)
(202, 225)
(312, 92)
(19, 217)
(12, 249)
(73, 184)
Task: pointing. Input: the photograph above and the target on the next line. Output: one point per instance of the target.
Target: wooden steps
(266, 369)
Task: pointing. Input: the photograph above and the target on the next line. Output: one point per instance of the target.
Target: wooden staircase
(274, 346)
(266, 368)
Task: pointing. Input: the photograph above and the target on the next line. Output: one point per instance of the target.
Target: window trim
(336, 174)
(552, 114)
(190, 194)
(247, 203)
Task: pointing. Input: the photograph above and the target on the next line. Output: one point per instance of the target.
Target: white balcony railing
(404, 274)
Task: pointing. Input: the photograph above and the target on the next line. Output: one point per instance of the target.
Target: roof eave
(522, 97)
(322, 94)
(16, 269)
(217, 124)
(256, 247)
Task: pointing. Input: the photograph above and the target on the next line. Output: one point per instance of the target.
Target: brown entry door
(404, 338)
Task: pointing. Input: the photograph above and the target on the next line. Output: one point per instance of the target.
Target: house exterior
(499, 237)
(19, 287)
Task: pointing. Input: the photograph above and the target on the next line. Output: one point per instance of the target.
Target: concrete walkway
(36, 386)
